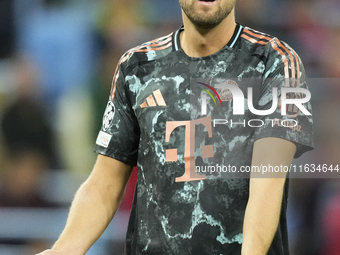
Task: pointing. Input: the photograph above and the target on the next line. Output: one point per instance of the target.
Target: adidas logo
(153, 100)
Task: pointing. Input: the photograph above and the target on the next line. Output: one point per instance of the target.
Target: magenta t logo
(189, 147)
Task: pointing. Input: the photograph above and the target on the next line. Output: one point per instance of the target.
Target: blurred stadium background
(57, 59)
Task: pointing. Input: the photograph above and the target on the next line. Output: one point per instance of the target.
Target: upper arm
(284, 69)
(118, 139)
(265, 194)
(270, 152)
(119, 135)
(273, 151)
(110, 174)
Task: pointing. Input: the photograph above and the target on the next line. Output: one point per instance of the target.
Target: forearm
(93, 207)
(262, 217)
(90, 213)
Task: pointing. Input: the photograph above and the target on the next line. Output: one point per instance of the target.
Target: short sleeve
(119, 135)
(285, 70)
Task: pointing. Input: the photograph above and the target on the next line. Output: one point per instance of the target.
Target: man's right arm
(93, 207)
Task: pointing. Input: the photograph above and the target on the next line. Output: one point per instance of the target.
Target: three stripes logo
(155, 99)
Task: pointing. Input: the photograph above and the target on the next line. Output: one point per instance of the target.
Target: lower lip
(206, 3)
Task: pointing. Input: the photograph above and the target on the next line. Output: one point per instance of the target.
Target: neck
(197, 42)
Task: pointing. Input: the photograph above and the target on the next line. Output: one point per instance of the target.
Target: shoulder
(270, 49)
(143, 53)
(148, 51)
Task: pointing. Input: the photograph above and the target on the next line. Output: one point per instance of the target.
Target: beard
(207, 20)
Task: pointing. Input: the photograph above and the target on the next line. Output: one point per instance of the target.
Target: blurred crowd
(57, 59)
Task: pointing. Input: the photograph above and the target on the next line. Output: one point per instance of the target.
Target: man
(177, 210)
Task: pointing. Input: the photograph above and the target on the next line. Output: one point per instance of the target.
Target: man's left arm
(265, 195)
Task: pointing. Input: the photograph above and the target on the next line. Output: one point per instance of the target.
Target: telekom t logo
(189, 147)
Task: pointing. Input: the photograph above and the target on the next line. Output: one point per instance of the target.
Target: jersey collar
(237, 32)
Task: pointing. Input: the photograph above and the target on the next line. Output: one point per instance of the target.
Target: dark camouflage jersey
(155, 119)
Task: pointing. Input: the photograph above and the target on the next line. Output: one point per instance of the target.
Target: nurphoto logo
(239, 99)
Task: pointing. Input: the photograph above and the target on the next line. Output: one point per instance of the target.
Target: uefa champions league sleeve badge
(108, 115)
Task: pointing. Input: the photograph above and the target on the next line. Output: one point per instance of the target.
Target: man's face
(207, 14)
